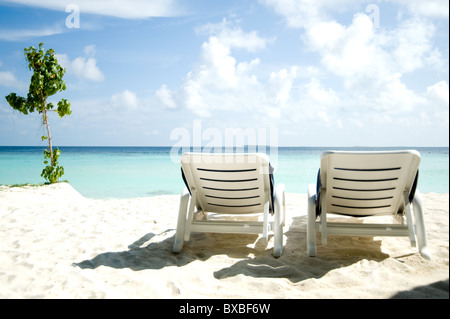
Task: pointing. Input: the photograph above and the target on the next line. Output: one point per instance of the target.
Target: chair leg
(265, 233)
(190, 216)
(279, 214)
(311, 225)
(323, 222)
(181, 224)
(410, 224)
(420, 226)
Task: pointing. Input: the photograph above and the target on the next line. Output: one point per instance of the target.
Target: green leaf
(64, 108)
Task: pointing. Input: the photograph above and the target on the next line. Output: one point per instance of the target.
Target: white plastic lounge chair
(222, 185)
(363, 184)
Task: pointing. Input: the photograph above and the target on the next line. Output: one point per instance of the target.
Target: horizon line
(212, 147)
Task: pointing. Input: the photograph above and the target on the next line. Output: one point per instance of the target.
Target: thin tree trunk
(49, 137)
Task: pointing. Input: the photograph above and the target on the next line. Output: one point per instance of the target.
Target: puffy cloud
(83, 67)
(440, 93)
(307, 13)
(87, 68)
(349, 52)
(361, 81)
(360, 49)
(219, 81)
(125, 100)
(219, 65)
(279, 87)
(370, 62)
(430, 8)
(438, 107)
(359, 52)
(319, 95)
(166, 97)
(233, 37)
(413, 48)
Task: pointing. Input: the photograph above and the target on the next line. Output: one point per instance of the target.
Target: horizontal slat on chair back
(227, 183)
(368, 183)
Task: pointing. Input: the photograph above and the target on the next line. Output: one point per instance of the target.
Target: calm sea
(127, 172)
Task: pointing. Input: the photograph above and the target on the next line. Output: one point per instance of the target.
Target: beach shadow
(158, 254)
(295, 265)
(155, 255)
(256, 259)
(437, 290)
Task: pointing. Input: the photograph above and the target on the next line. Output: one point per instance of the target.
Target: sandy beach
(54, 243)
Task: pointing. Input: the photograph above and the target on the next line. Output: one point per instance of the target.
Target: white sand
(56, 244)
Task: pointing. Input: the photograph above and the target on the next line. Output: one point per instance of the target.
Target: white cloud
(83, 67)
(413, 45)
(439, 94)
(219, 82)
(130, 9)
(360, 52)
(20, 35)
(360, 81)
(394, 97)
(438, 108)
(219, 64)
(349, 52)
(166, 97)
(8, 79)
(233, 37)
(319, 95)
(304, 13)
(279, 87)
(429, 8)
(370, 63)
(90, 50)
(87, 68)
(125, 100)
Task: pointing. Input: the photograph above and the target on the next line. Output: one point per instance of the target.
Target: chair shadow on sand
(156, 255)
(295, 264)
(256, 259)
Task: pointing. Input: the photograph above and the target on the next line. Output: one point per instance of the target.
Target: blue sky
(313, 73)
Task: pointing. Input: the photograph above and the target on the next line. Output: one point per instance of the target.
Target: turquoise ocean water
(128, 172)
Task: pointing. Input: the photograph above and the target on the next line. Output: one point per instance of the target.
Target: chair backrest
(228, 183)
(368, 183)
